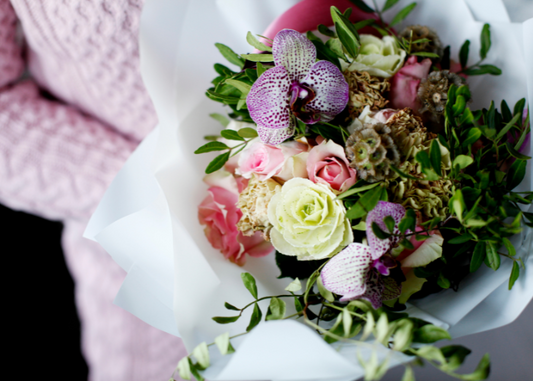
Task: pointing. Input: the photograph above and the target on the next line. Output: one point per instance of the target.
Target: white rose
(307, 221)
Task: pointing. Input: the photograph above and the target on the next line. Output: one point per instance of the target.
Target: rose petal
(382, 210)
(332, 90)
(268, 99)
(295, 52)
(346, 273)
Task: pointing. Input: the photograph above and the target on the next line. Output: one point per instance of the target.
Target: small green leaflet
(362, 6)
(463, 53)
(353, 190)
(225, 319)
(244, 88)
(276, 309)
(435, 157)
(247, 132)
(230, 55)
(493, 258)
(389, 4)
(249, 283)
(478, 256)
(256, 43)
(220, 118)
(258, 57)
(211, 146)
(485, 41)
(255, 319)
(430, 333)
(217, 163)
(260, 69)
(366, 203)
(402, 14)
(231, 135)
(483, 69)
(515, 273)
(201, 353)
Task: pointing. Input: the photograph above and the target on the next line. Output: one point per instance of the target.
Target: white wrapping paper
(147, 220)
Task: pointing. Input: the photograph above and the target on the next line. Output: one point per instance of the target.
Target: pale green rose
(307, 221)
(380, 57)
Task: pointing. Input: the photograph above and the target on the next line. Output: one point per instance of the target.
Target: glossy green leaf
(472, 136)
(483, 69)
(430, 333)
(276, 309)
(389, 223)
(357, 189)
(400, 16)
(252, 40)
(408, 222)
(231, 307)
(378, 232)
(516, 174)
(225, 319)
(478, 256)
(389, 4)
(461, 239)
(249, 283)
(217, 163)
(365, 204)
(435, 156)
(258, 57)
(255, 319)
(462, 161)
(515, 273)
(463, 53)
(211, 146)
(485, 41)
(362, 6)
(247, 132)
(231, 135)
(493, 258)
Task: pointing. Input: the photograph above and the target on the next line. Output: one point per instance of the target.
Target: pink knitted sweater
(57, 156)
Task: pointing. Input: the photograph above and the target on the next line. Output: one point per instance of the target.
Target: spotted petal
(374, 289)
(377, 215)
(346, 273)
(295, 52)
(331, 89)
(268, 99)
(275, 136)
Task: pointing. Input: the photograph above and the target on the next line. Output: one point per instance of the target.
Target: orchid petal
(346, 273)
(295, 52)
(331, 89)
(374, 289)
(382, 210)
(275, 136)
(391, 289)
(268, 99)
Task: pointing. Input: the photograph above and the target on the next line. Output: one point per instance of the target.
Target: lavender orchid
(355, 272)
(297, 87)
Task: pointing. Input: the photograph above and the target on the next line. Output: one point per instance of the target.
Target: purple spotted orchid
(297, 87)
(355, 273)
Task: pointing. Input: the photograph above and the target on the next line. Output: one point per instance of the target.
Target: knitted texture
(59, 153)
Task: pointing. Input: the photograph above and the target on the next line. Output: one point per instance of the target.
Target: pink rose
(266, 160)
(404, 85)
(327, 164)
(219, 213)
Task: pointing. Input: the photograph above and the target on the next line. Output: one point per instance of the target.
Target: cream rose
(380, 57)
(307, 221)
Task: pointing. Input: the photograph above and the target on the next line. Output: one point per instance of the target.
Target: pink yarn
(58, 156)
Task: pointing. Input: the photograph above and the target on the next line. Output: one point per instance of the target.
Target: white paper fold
(147, 220)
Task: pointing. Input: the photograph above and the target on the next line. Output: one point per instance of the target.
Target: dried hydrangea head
(365, 90)
(408, 131)
(253, 202)
(420, 32)
(433, 94)
(371, 150)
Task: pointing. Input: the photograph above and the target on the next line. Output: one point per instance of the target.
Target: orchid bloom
(355, 272)
(297, 87)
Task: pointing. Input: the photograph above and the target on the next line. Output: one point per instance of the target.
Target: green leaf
(356, 189)
(260, 69)
(220, 118)
(482, 371)
(211, 146)
(485, 41)
(194, 370)
(258, 57)
(249, 283)
(217, 163)
(201, 353)
(326, 31)
(247, 132)
(457, 204)
(335, 45)
(423, 158)
(493, 258)
(472, 136)
(403, 336)
(455, 355)
(365, 204)
(402, 174)
(519, 107)
(514, 153)
(443, 282)
(361, 24)
(231, 307)
(459, 106)
(294, 286)
(516, 174)
(230, 55)
(478, 256)
(231, 135)
(429, 352)
(402, 14)
(435, 156)
(509, 246)
(425, 54)
(462, 161)
(276, 309)
(408, 222)
(346, 321)
(255, 319)
(484, 69)
(362, 6)
(508, 126)
(389, 4)
(409, 374)
(430, 333)
(346, 32)
(223, 344)
(298, 306)
(389, 223)
(515, 273)
(244, 88)
(326, 294)
(378, 232)
(252, 40)
(184, 369)
(461, 239)
(463, 54)
(225, 319)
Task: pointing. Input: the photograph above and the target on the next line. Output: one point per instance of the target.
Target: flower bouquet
(368, 198)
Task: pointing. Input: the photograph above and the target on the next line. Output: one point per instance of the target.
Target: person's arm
(55, 161)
